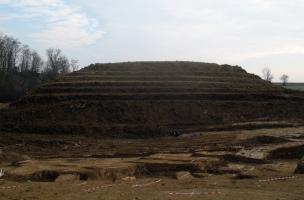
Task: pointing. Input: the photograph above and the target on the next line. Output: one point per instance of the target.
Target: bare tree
(21, 67)
(25, 59)
(17, 58)
(284, 78)
(267, 74)
(37, 62)
(74, 65)
(63, 64)
(52, 60)
(57, 63)
(2, 53)
(9, 49)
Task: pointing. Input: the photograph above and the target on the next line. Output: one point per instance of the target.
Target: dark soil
(151, 99)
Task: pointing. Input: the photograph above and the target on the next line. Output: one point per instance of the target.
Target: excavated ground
(243, 164)
(104, 133)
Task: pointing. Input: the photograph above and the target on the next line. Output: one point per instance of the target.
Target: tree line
(22, 68)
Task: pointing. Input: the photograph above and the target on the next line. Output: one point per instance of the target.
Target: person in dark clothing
(176, 133)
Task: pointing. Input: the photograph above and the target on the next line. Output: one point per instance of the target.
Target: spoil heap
(144, 99)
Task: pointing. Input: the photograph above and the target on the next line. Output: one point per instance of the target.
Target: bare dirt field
(244, 164)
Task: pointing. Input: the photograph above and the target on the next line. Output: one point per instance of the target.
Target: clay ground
(3, 105)
(248, 164)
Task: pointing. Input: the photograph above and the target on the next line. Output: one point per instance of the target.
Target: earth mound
(150, 99)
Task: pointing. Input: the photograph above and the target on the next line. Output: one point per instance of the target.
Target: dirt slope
(145, 99)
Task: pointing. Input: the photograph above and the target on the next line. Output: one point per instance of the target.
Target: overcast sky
(250, 33)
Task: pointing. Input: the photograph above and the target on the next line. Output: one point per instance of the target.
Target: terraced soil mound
(148, 99)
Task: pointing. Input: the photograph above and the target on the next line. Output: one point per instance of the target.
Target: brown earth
(150, 99)
(92, 135)
(3, 105)
(243, 164)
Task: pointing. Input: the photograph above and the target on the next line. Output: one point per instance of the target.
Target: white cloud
(70, 32)
(5, 1)
(63, 25)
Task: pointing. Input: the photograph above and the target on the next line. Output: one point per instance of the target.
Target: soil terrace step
(158, 78)
(175, 84)
(157, 73)
(161, 96)
(153, 95)
(111, 90)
